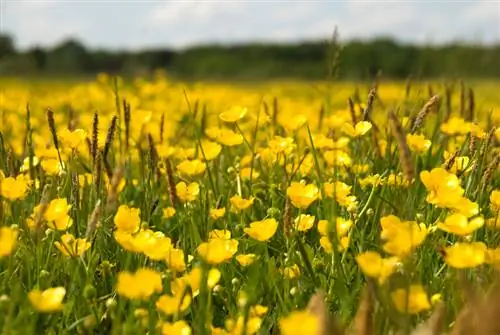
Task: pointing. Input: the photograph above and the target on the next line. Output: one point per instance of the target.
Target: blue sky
(134, 24)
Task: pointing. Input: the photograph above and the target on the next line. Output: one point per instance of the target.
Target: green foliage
(358, 60)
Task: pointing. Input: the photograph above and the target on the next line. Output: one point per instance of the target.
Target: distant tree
(69, 56)
(6, 46)
(39, 57)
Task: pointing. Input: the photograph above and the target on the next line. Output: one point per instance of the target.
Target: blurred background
(251, 39)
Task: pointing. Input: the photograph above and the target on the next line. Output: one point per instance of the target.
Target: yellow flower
(193, 279)
(282, 145)
(292, 124)
(495, 200)
(337, 158)
(219, 234)
(325, 243)
(217, 251)
(26, 164)
(177, 328)
(291, 271)
(192, 167)
(304, 222)
(444, 187)
(72, 139)
(492, 257)
(361, 128)
(234, 114)
(171, 305)
(418, 143)
(460, 225)
(239, 327)
(52, 166)
(397, 180)
(465, 207)
(401, 236)
(412, 301)
(169, 212)
(139, 285)
(246, 260)
(210, 149)
(493, 223)
(342, 193)
(239, 203)
(217, 213)
(229, 138)
(262, 230)
(14, 188)
(374, 266)
(48, 301)
(127, 219)
(302, 195)
(465, 255)
(175, 259)
(72, 247)
(258, 310)
(246, 172)
(8, 240)
(371, 180)
(461, 164)
(187, 193)
(360, 168)
(455, 125)
(155, 245)
(299, 323)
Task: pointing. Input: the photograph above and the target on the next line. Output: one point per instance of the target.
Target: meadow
(150, 205)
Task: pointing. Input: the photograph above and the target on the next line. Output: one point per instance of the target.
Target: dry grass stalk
(434, 324)
(448, 164)
(94, 220)
(363, 321)
(109, 136)
(490, 169)
(486, 143)
(327, 324)
(44, 204)
(126, 116)
(153, 154)
(405, 158)
(52, 127)
(352, 110)
(75, 191)
(97, 172)
(408, 87)
(287, 217)
(430, 91)
(472, 145)
(462, 99)
(72, 119)
(274, 118)
(95, 138)
(162, 126)
(471, 106)
(321, 117)
(112, 198)
(426, 109)
(480, 314)
(369, 105)
(172, 191)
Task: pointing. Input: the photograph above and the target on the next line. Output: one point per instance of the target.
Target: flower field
(162, 207)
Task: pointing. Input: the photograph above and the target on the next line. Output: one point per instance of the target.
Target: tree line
(311, 60)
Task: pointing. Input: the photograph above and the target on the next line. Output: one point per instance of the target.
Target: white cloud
(176, 23)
